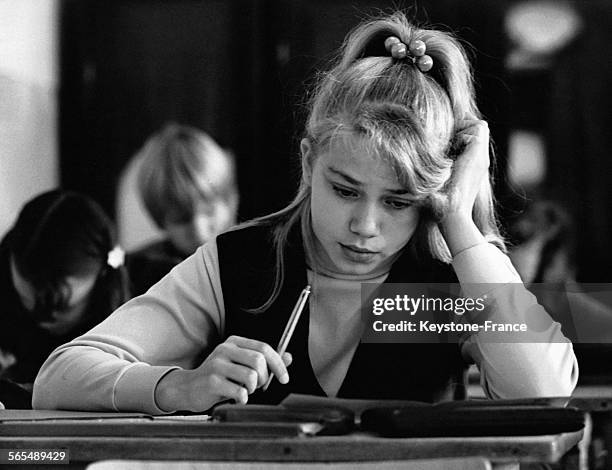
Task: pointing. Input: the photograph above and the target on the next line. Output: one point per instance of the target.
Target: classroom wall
(28, 88)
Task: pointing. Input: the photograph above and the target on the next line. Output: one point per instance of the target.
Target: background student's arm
(117, 365)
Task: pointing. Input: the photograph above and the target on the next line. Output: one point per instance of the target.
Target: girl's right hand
(233, 370)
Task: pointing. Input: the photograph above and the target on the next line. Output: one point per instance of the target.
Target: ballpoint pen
(289, 329)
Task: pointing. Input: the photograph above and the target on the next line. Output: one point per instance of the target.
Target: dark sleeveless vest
(422, 372)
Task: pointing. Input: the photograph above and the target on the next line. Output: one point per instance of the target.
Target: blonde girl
(395, 188)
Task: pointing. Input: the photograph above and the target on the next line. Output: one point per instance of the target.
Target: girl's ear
(307, 160)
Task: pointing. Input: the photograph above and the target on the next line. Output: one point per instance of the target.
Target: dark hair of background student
(61, 273)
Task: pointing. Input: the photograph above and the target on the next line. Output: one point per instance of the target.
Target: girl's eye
(344, 192)
(398, 204)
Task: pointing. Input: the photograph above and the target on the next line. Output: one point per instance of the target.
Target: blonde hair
(181, 166)
(409, 119)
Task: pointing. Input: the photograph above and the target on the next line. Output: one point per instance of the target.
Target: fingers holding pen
(222, 388)
(199, 389)
(233, 370)
(259, 356)
(247, 363)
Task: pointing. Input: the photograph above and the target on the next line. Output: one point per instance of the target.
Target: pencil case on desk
(480, 420)
(333, 421)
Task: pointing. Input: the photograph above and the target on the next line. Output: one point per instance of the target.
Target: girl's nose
(365, 221)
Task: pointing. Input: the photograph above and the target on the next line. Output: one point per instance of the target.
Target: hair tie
(415, 51)
(116, 257)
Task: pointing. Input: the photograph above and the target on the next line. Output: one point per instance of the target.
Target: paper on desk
(190, 418)
(23, 423)
(48, 415)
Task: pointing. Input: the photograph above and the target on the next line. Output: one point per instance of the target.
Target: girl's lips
(357, 249)
(358, 255)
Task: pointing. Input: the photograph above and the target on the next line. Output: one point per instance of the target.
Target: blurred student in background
(544, 250)
(544, 255)
(61, 273)
(188, 186)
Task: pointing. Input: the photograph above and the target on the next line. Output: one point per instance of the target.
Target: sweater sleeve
(543, 366)
(117, 365)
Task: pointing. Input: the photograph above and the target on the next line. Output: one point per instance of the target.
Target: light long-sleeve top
(180, 320)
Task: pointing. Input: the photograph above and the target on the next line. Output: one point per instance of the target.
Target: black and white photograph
(306, 234)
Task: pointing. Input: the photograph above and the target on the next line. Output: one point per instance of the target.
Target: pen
(289, 329)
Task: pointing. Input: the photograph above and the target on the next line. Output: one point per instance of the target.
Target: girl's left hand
(471, 168)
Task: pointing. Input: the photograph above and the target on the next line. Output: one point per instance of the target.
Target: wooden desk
(503, 452)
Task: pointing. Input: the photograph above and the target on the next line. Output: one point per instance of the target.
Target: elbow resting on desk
(54, 388)
(82, 376)
(530, 378)
(44, 395)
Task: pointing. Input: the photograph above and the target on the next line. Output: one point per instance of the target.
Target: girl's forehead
(356, 156)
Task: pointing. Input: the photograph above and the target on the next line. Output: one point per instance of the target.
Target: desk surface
(355, 447)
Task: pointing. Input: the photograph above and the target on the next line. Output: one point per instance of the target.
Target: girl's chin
(346, 262)
(344, 266)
